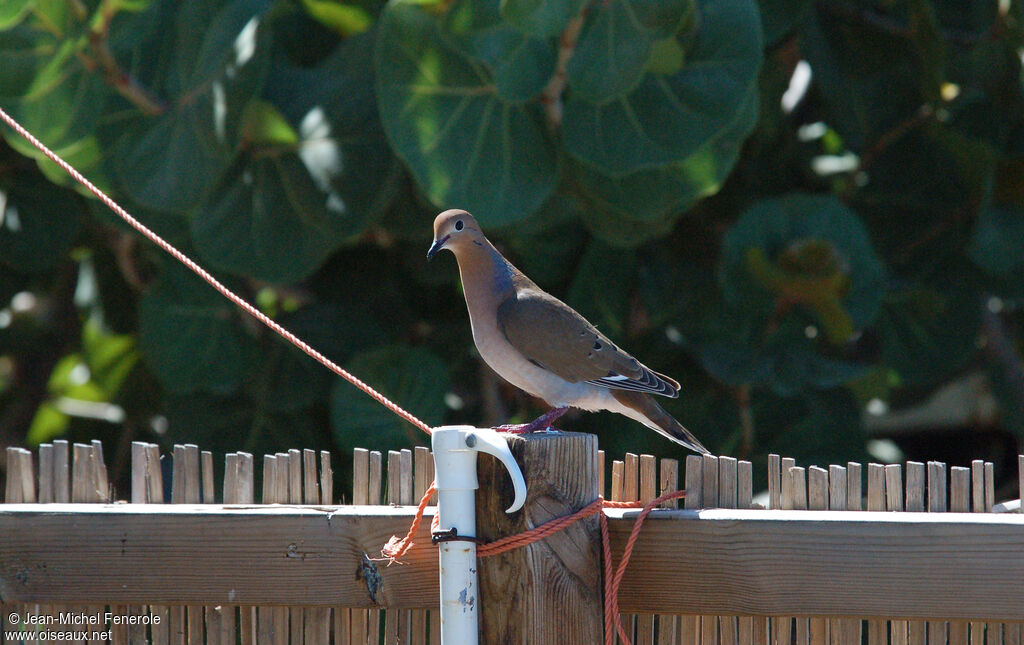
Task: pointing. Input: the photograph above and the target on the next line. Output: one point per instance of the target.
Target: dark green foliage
(786, 260)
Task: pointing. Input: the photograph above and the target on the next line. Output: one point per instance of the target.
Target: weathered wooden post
(548, 591)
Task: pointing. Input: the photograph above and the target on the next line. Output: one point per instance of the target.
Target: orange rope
(212, 281)
(396, 548)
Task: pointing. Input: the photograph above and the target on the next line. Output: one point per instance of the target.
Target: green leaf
(262, 123)
(236, 422)
(110, 357)
(741, 349)
(38, 222)
(464, 145)
(603, 288)
(781, 17)
(649, 199)
(268, 220)
(172, 161)
(347, 20)
(868, 77)
(927, 333)
(919, 189)
(997, 245)
(13, 11)
(412, 377)
(541, 18)
(665, 119)
(611, 53)
(520, 65)
(817, 249)
(282, 209)
(190, 335)
(293, 380)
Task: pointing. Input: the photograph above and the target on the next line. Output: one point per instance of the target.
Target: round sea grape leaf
(740, 349)
(342, 143)
(625, 233)
(412, 377)
(464, 145)
(918, 189)
(38, 222)
(615, 45)
(294, 380)
(268, 220)
(61, 106)
(285, 206)
(611, 53)
(520, 65)
(997, 245)
(541, 18)
(24, 51)
(654, 195)
(603, 288)
(190, 335)
(869, 79)
(548, 245)
(171, 161)
(667, 118)
(928, 334)
(813, 250)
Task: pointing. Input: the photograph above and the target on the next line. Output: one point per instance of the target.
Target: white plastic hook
(455, 449)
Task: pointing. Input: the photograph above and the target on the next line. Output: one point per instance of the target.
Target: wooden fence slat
(689, 626)
(668, 480)
(46, 473)
(774, 482)
(616, 491)
(744, 484)
(818, 499)
(206, 463)
(876, 498)
(631, 478)
(648, 478)
(648, 490)
(326, 479)
(422, 478)
(854, 497)
(937, 503)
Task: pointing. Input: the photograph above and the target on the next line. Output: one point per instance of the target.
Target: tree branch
(551, 97)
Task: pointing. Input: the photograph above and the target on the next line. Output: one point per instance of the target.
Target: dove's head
(455, 230)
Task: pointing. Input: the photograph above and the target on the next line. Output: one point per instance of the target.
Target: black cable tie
(452, 535)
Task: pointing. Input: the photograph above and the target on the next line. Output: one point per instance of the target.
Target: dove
(543, 346)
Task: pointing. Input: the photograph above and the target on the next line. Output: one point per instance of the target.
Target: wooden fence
(299, 569)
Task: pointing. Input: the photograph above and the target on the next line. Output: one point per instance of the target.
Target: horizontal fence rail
(711, 562)
(299, 569)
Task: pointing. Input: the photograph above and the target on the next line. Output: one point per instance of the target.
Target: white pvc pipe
(455, 450)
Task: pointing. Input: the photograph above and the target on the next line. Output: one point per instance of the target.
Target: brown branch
(123, 83)
(551, 97)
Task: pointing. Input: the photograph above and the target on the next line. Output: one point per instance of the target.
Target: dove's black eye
(459, 225)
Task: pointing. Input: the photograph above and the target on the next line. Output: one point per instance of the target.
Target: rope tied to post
(397, 547)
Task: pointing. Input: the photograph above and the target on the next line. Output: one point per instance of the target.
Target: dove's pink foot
(540, 423)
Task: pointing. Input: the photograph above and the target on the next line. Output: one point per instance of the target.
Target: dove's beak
(436, 246)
